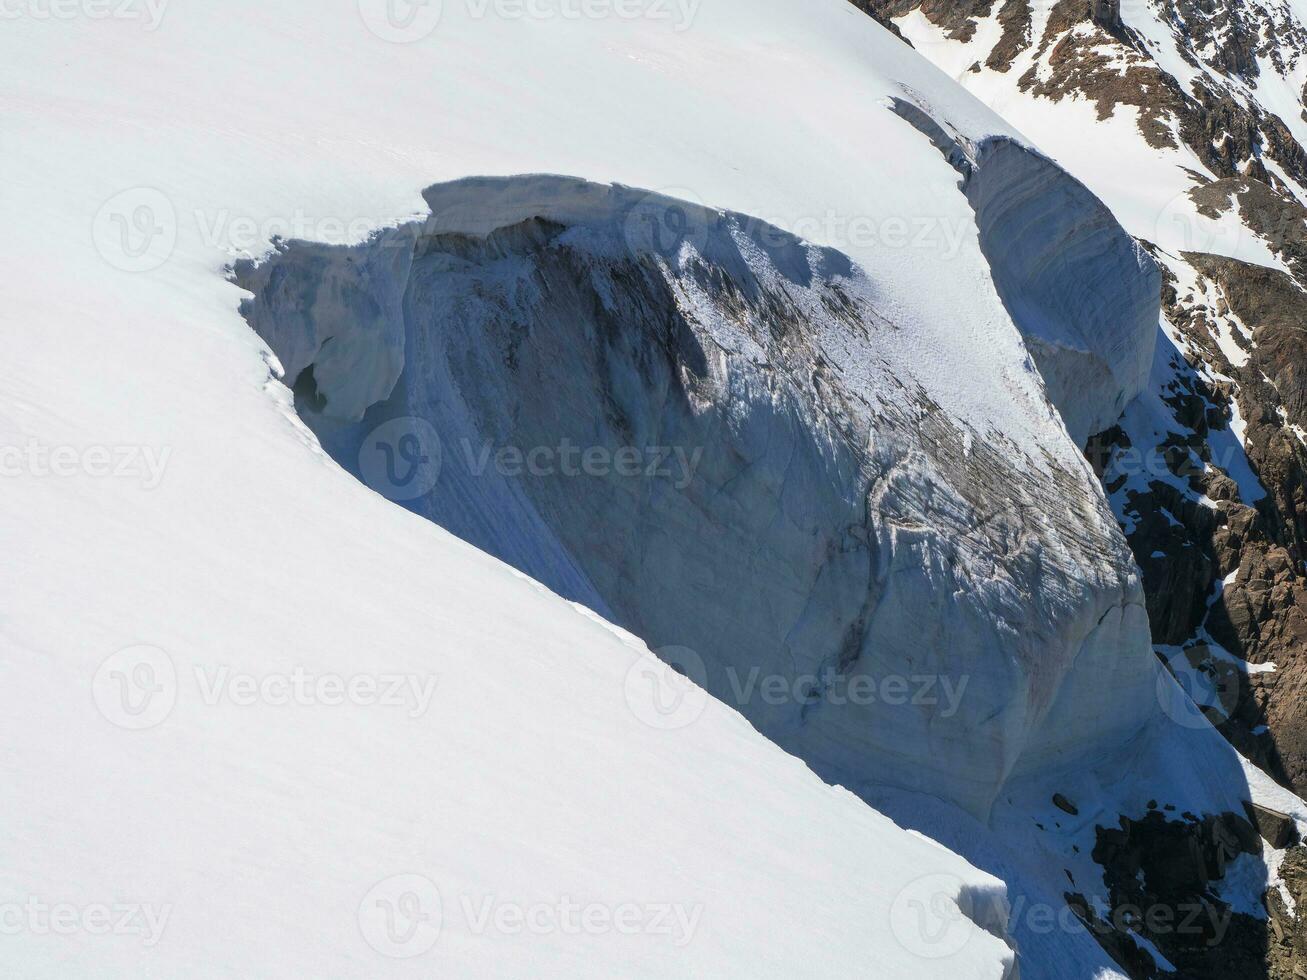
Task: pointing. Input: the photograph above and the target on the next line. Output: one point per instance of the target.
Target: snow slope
(1145, 186)
(256, 832)
(220, 557)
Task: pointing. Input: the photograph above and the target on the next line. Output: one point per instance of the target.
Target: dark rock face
(1278, 829)
(1107, 13)
(1218, 568)
(1160, 871)
(1287, 929)
(958, 19)
(1262, 615)
(1113, 67)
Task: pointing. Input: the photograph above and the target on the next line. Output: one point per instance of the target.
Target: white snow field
(263, 722)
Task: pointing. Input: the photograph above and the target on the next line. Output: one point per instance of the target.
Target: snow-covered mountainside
(1188, 119)
(732, 330)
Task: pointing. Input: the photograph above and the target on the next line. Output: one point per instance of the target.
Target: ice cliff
(1084, 294)
(806, 509)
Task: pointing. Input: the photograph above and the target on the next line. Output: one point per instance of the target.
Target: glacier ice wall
(1084, 294)
(815, 526)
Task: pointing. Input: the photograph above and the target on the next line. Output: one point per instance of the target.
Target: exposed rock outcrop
(1161, 871)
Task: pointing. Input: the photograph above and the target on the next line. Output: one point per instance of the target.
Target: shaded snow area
(755, 487)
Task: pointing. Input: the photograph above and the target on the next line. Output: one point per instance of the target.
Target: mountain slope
(1189, 120)
(284, 834)
(529, 765)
